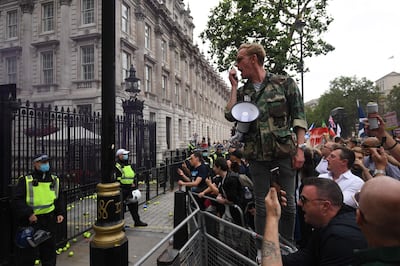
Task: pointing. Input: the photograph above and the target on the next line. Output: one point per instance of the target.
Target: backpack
(247, 195)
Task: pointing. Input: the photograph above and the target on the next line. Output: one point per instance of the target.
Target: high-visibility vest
(127, 174)
(41, 197)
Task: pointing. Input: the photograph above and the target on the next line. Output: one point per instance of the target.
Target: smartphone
(274, 181)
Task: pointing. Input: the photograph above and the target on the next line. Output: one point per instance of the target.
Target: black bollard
(181, 237)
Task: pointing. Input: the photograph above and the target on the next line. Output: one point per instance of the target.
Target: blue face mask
(125, 157)
(45, 167)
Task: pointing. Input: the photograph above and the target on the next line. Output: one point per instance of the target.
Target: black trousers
(46, 251)
(132, 207)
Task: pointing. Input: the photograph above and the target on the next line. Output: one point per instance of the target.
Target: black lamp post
(133, 109)
(299, 26)
(132, 82)
(133, 105)
(109, 245)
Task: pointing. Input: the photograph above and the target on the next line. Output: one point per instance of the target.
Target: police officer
(125, 175)
(38, 204)
(218, 153)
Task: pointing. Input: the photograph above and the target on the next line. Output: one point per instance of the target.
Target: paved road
(141, 239)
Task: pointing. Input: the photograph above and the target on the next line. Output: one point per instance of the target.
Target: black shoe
(140, 223)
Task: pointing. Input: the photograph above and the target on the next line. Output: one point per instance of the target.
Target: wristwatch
(379, 172)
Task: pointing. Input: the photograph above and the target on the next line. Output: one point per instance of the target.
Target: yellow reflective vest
(127, 174)
(41, 197)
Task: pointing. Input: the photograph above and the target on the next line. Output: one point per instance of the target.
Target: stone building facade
(52, 50)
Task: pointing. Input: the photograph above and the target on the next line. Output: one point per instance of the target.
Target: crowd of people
(338, 201)
(331, 199)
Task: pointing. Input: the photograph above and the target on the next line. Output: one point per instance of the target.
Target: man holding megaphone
(270, 112)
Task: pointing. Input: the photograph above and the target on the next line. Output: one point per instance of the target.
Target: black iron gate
(72, 139)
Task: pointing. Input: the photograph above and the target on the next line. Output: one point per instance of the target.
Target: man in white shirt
(326, 149)
(340, 161)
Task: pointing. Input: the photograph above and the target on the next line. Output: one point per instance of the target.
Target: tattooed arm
(271, 253)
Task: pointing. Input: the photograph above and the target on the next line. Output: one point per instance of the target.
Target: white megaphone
(244, 113)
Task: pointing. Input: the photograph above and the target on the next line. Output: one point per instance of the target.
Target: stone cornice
(84, 37)
(27, 6)
(140, 13)
(149, 58)
(172, 44)
(65, 2)
(127, 44)
(158, 30)
(12, 49)
(48, 43)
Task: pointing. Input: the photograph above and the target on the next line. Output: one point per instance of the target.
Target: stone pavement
(159, 216)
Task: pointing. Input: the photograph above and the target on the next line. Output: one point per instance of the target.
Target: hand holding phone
(274, 181)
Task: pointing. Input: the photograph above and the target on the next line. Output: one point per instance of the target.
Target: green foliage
(393, 99)
(271, 23)
(344, 92)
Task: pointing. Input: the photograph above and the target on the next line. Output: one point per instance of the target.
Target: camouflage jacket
(281, 110)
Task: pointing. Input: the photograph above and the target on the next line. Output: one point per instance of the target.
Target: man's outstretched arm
(271, 253)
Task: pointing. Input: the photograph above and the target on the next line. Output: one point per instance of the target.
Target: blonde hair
(254, 48)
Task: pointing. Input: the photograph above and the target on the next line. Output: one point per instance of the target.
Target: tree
(344, 92)
(270, 23)
(393, 99)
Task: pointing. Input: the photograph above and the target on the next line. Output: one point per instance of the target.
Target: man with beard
(269, 143)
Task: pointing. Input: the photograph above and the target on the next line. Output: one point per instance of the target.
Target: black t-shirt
(331, 245)
(200, 171)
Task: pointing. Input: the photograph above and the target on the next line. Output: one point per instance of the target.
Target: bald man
(371, 145)
(378, 216)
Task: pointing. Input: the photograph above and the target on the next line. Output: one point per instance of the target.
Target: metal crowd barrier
(212, 241)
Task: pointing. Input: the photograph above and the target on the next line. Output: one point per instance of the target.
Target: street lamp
(133, 109)
(132, 82)
(299, 26)
(133, 106)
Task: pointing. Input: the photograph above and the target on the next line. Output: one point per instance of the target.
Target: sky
(365, 34)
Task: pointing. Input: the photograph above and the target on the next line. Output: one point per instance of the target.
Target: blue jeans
(260, 172)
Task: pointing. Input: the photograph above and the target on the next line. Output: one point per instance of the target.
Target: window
(87, 62)
(187, 97)
(186, 70)
(126, 64)
(180, 129)
(147, 76)
(11, 68)
(147, 36)
(84, 108)
(164, 50)
(125, 18)
(177, 89)
(152, 116)
(164, 85)
(12, 20)
(48, 17)
(87, 12)
(177, 61)
(47, 67)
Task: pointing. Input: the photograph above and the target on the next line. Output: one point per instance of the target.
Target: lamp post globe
(132, 82)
